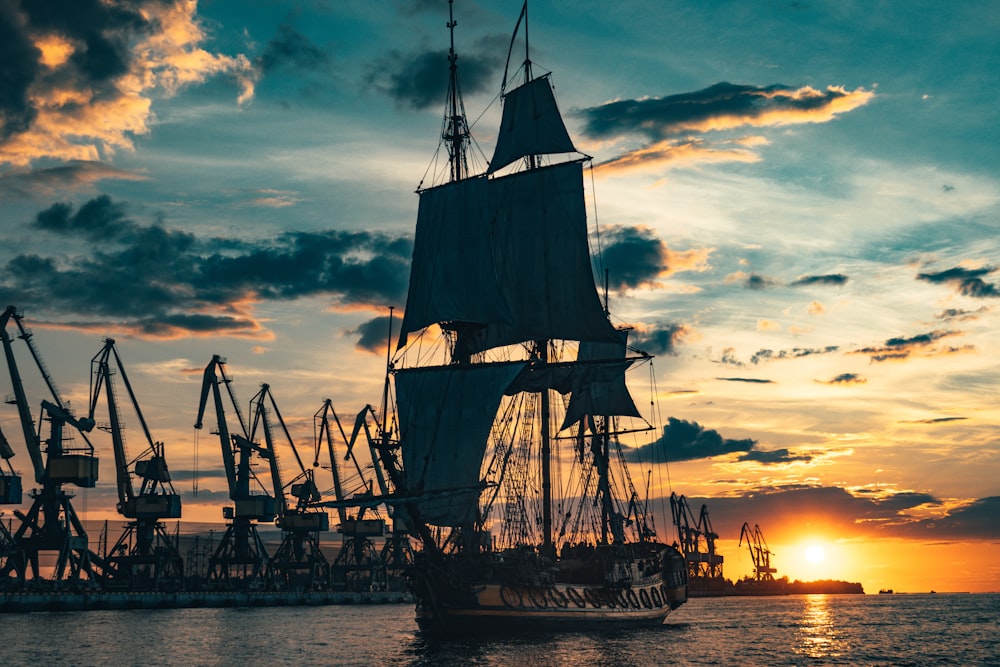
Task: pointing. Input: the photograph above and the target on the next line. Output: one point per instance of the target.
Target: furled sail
(452, 276)
(531, 125)
(445, 414)
(539, 238)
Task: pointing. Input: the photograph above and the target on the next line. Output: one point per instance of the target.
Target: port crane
(697, 539)
(10, 494)
(299, 562)
(51, 525)
(359, 564)
(145, 557)
(240, 559)
(759, 553)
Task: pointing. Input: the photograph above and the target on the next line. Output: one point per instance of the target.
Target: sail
(445, 415)
(531, 125)
(595, 382)
(539, 238)
(452, 276)
(600, 390)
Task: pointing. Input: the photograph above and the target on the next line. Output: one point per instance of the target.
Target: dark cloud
(774, 456)
(99, 218)
(758, 282)
(979, 519)
(900, 348)
(21, 66)
(420, 81)
(728, 358)
(291, 48)
(784, 511)
(661, 339)
(633, 256)
(71, 176)
(937, 420)
(969, 282)
(676, 115)
(675, 127)
(828, 279)
(162, 282)
(794, 353)
(373, 335)
(78, 76)
(961, 315)
(104, 29)
(750, 380)
(687, 441)
(847, 378)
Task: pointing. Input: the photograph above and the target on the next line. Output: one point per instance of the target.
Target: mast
(456, 132)
(542, 346)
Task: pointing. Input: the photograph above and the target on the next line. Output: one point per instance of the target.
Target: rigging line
(597, 226)
(510, 49)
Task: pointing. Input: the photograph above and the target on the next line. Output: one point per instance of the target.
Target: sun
(815, 554)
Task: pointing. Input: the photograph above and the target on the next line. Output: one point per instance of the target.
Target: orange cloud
(69, 115)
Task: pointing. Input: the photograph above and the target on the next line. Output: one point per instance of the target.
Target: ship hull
(496, 607)
(637, 587)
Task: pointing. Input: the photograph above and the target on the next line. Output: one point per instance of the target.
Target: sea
(901, 629)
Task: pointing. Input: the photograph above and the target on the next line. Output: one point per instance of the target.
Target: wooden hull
(495, 607)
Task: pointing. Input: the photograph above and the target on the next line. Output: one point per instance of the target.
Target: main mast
(456, 133)
(542, 350)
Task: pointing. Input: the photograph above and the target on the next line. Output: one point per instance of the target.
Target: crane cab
(78, 469)
(10, 490)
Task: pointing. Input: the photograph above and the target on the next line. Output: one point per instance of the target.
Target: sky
(797, 205)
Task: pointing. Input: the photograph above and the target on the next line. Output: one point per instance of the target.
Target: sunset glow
(801, 232)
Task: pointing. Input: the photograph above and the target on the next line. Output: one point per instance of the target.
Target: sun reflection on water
(820, 638)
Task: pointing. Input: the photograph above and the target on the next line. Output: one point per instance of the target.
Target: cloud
(687, 441)
(74, 175)
(660, 339)
(774, 456)
(99, 218)
(290, 48)
(373, 334)
(828, 279)
(168, 282)
(80, 76)
(667, 124)
(420, 80)
(961, 315)
(763, 355)
(637, 257)
(937, 420)
(847, 378)
(783, 510)
(901, 348)
(752, 281)
(969, 282)
(748, 380)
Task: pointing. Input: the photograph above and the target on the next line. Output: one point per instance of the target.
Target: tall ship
(506, 395)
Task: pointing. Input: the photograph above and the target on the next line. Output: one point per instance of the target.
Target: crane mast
(759, 553)
(144, 557)
(359, 565)
(240, 558)
(51, 524)
(298, 563)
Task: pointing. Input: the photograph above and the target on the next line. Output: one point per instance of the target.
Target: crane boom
(20, 399)
(155, 498)
(210, 382)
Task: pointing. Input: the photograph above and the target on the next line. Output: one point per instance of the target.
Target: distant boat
(501, 265)
(885, 591)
